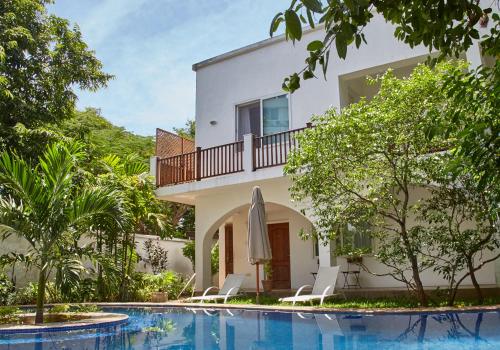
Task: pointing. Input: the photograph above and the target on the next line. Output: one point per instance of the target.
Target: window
(353, 238)
(262, 117)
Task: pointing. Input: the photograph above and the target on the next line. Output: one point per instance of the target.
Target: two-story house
(245, 128)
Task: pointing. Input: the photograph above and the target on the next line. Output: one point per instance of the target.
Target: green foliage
(157, 257)
(189, 251)
(436, 24)
(73, 308)
(473, 115)
(104, 138)
(458, 229)
(48, 209)
(188, 131)
(446, 26)
(6, 288)
(214, 258)
(143, 285)
(9, 314)
(359, 166)
(42, 61)
(56, 309)
(82, 308)
(24, 296)
(268, 270)
(8, 311)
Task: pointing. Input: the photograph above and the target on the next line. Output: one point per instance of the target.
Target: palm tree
(47, 207)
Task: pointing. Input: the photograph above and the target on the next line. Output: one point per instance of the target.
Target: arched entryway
(295, 253)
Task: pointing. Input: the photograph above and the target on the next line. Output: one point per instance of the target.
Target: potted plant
(353, 255)
(267, 283)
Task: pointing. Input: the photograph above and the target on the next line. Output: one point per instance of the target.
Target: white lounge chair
(324, 286)
(229, 289)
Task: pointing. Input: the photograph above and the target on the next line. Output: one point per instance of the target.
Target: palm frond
(18, 176)
(93, 203)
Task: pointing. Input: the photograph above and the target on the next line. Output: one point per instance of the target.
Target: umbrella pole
(257, 296)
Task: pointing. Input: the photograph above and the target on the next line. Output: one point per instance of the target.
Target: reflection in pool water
(177, 328)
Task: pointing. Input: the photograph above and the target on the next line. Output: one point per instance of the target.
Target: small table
(347, 280)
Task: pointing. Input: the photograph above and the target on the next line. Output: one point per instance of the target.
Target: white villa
(245, 127)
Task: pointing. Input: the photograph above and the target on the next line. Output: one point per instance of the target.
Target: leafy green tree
(130, 178)
(458, 230)
(189, 131)
(42, 61)
(104, 138)
(45, 206)
(362, 165)
(473, 114)
(447, 26)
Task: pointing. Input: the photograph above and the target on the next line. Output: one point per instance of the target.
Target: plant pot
(354, 259)
(267, 285)
(159, 297)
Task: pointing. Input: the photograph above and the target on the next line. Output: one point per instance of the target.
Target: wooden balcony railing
(220, 160)
(267, 151)
(176, 169)
(273, 150)
(200, 164)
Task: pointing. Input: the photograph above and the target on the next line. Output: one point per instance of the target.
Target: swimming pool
(181, 328)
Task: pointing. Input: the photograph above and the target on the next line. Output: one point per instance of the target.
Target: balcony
(251, 154)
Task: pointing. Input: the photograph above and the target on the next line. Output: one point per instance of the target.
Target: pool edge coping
(101, 320)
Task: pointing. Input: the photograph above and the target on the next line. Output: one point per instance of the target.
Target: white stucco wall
(259, 73)
(176, 260)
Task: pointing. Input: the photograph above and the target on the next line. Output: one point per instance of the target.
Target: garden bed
(24, 323)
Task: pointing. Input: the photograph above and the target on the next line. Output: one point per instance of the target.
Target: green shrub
(9, 314)
(6, 289)
(189, 251)
(24, 296)
(85, 308)
(56, 309)
(144, 284)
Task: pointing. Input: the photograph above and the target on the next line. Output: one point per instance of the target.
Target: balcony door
(263, 117)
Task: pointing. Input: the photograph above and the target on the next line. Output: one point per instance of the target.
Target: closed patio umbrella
(259, 248)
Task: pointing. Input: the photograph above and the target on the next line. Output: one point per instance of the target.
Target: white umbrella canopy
(259, 248)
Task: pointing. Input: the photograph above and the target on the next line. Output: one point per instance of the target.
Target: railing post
(248, 152)
(198, 163)
(254, 166)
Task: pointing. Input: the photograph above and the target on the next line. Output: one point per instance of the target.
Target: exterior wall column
(222, 254)
(153, 163)
(203, 245)
(324, 253)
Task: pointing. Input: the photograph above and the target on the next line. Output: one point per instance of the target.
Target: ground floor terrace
(221, 218)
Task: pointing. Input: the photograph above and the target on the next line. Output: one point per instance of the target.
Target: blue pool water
(179, 328)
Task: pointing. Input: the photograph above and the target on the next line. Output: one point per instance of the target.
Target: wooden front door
(228, 248)
(279, 238)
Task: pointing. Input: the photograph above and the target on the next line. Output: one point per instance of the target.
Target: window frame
(340, 241)
(261, 105)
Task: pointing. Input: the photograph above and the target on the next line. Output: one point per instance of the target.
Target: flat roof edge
(248, 48)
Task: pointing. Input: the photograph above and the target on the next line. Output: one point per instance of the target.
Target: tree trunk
(470, 265)
(100, 282)
(418, 282)
(40, 296)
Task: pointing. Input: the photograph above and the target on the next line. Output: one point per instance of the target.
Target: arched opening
(295, 252)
